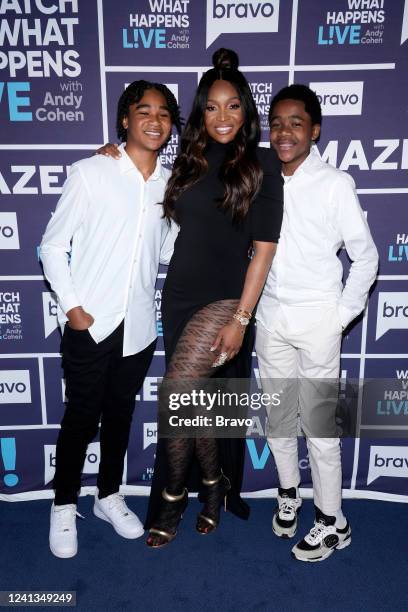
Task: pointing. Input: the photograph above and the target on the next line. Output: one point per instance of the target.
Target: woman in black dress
(226, 196)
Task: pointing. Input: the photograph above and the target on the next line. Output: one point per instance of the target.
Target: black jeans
(101, 385)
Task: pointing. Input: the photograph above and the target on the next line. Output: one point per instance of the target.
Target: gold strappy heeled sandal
(170, 516)
(217, 491)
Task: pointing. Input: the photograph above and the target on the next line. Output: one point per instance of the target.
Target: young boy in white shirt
(302, 313)
(100, 253)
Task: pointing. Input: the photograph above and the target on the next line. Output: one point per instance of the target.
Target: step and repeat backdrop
(63, 66)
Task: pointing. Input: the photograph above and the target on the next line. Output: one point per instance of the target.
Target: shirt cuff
(345, 315)
(69, 301)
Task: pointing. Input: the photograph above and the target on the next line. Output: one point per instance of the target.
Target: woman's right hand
(228, 342)
(110, 150)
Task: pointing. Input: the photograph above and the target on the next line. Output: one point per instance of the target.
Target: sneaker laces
(317, 532)
(117, 503)
(65, 518)
(287, 508)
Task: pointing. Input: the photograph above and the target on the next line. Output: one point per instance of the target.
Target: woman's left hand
(228, 342)
(109, 150)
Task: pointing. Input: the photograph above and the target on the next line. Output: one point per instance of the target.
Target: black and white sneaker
(322, 540)
(284, 521)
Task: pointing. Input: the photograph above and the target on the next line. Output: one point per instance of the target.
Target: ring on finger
(221, 359)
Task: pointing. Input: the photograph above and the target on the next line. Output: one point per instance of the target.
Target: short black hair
(304, 94)
(134, 93)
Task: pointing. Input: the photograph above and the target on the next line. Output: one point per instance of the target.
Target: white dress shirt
(321, 213)
(102, 247)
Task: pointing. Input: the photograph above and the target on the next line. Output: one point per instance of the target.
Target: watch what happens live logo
(158, 24)
(361, 22)
(38, 43)
(398, 252)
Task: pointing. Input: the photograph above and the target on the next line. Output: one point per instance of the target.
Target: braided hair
(134, 93)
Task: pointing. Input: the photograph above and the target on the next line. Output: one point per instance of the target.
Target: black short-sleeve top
(212, 252)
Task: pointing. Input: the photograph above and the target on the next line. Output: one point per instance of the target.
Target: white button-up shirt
(102, 247)
(321, 214)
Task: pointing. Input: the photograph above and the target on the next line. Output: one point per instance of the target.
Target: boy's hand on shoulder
(78, 319)
(109, 150)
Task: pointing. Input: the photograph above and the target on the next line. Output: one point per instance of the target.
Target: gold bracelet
(245, 313)
(244, 321)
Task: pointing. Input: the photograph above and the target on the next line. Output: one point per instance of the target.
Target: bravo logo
(9, 231)
(91, 465)
(390, 461)
(340, 98)
(239, 17)
(392, 312)
(50, 312)
(149, 434)
(15, 387)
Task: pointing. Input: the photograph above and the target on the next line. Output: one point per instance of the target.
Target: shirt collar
(126, 164)
(311, 163)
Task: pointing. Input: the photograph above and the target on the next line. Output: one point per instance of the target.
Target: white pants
(302, 345)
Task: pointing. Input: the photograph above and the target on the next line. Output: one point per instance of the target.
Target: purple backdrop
(63, 67)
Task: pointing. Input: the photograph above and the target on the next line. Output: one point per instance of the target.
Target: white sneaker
(114, 510)
(63, 533)
(322, 540)
(285, 518)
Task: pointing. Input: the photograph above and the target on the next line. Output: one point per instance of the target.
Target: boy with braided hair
(100, 253)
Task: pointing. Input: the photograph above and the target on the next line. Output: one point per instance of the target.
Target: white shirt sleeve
(167, 245)
(56, 242)
(360, 247)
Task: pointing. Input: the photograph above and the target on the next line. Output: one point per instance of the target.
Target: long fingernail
(212, 348)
